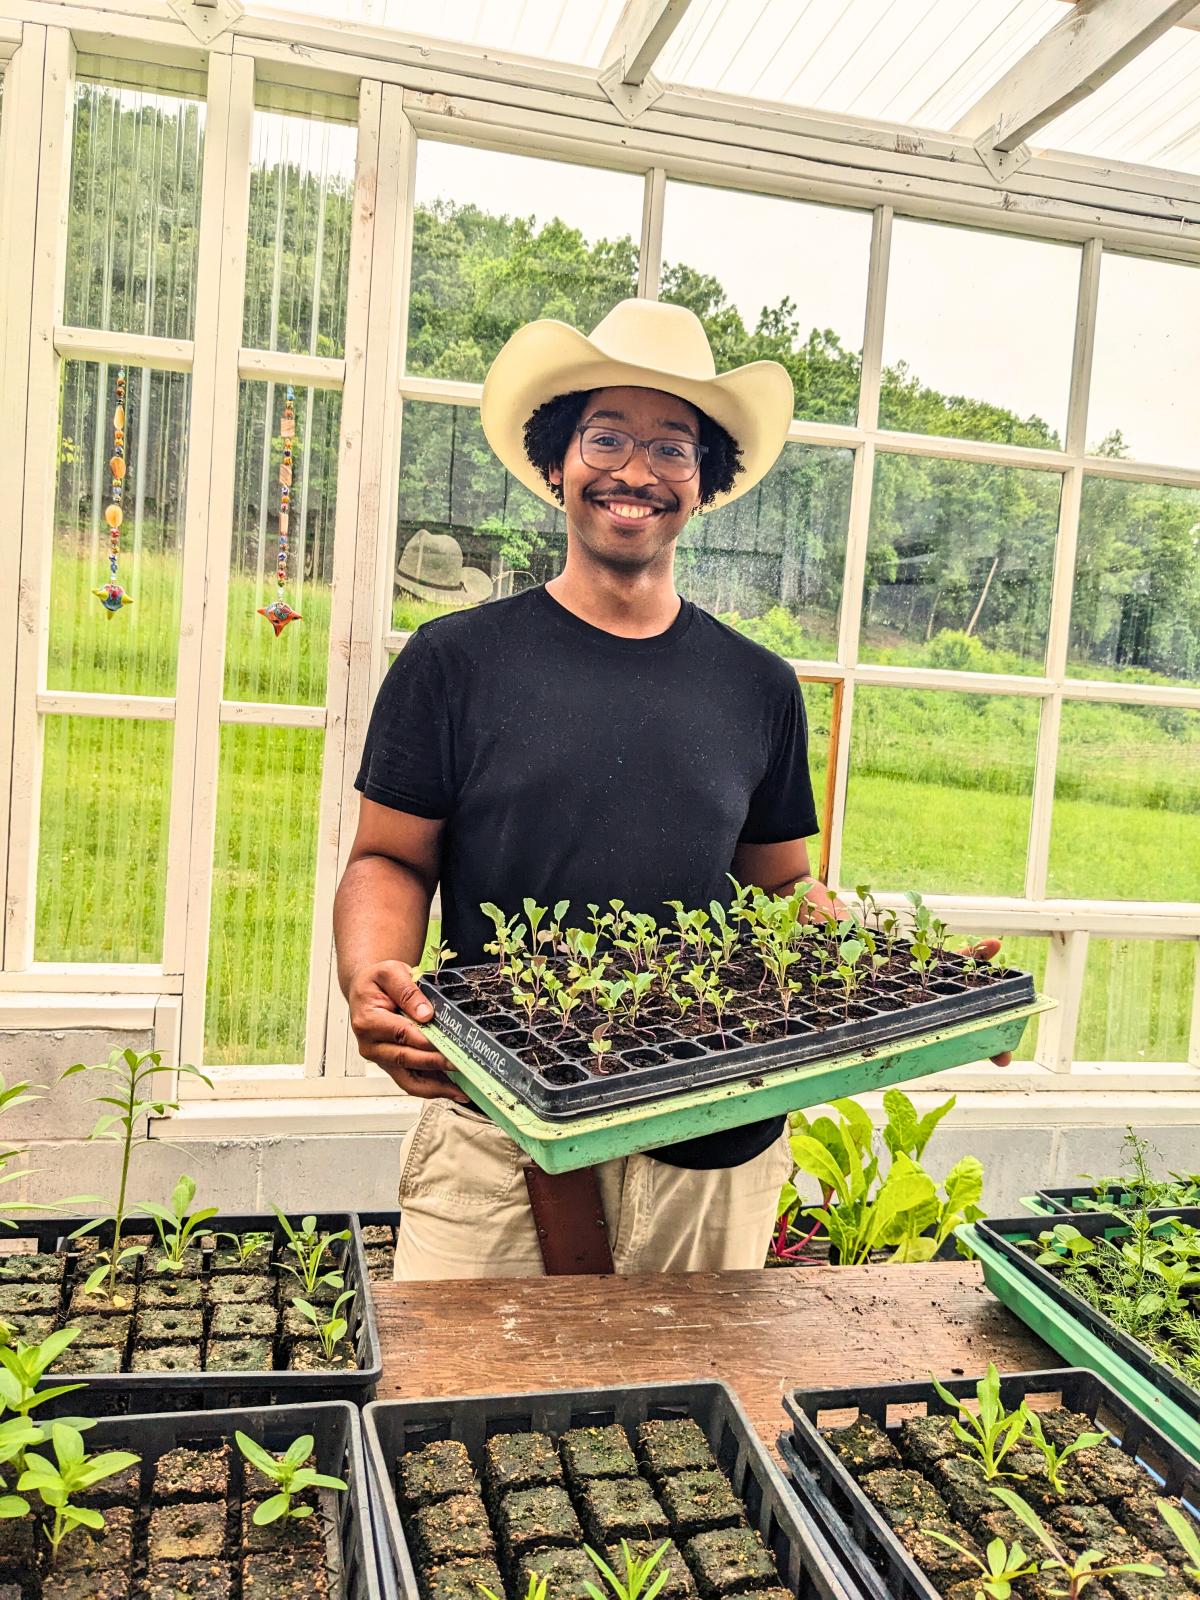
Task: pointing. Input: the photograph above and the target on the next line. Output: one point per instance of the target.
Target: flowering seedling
(994, 1432)
(1002, 1566)
(1054, 1456)
(289, 1474)
(72, 1472)
(637, 1583)
(310, 1250)
(331, 1329)
(175, 1225)
(1188, 1535)
(1078, 1571)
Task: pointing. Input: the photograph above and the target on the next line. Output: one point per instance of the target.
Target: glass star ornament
(112, 597)
(279, 614)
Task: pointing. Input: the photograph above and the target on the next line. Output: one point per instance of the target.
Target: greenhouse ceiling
(1108, 79)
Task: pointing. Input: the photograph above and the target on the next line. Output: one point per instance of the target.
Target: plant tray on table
(1028, 1486)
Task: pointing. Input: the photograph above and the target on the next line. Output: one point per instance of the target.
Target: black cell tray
(1072, 1199)
(672, 1061)
(337, 1437)
(1000, 1234)
(113, 1393)
(394, 1427)
(873, 1557)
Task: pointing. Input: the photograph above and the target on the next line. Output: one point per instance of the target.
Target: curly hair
(549, 431)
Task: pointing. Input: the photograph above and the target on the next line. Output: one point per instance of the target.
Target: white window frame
(406, 91)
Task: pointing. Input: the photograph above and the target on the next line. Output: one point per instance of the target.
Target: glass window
(132, 651)
(979, 334)
(818, 708)
(289, 668)
(1127, 803)
(297, 250)
(940, 791)
(774, 278)
(102, 844)
(1135, 613)
(466, 530)
(1029, 954)
(133, 224)
(960, 559)
(499, 240)
(1137, 1000)
(1143, 400)
(264, 870)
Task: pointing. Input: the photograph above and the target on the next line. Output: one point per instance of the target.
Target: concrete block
(1084, 1153)
(65, 1110)
(225, 1170)
(335, 1171)
(1012, 1160)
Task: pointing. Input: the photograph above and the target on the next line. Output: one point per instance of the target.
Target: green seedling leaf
(271, 1510)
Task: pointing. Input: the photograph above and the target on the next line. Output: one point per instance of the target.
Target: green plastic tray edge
(1078, 1345)
(1038, 1207)
(585, 1141)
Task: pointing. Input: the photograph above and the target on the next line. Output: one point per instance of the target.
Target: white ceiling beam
(1081, 52)
(641, 35)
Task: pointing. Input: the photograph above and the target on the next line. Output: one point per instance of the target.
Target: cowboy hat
(431, 567)
(642, 344)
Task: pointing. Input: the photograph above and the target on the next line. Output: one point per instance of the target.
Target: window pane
(1137, 1000)
(1136, 607)
(771, 563)
(136, 162)
(1143, 400)
(940, 787)
(818, 708)
(1127, 804)
(289, 669)
(301, 205)
(1029, 954)
(465, 528)
(800, 300)
(102, 846)
(132, 651)
(979, 334)
(264, 869)
(960, 559)
(499, 240)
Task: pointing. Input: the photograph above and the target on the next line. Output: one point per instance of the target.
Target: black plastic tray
(675, 1061)
(112, 1393)
(337, 1435)
(1070, 1200)
(378, 1219)
(873, 1556)
(1000, 1235)
(393, 1427)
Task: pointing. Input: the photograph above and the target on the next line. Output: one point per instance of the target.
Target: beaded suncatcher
(111, 595)
(279, 613)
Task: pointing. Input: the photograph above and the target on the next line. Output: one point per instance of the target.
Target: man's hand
(385, 1004)
(985, 950)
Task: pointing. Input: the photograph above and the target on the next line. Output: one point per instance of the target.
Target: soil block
(435, 1473)
(1094, 1528)
(520, 1461)
(772, 1594)
(36, 1267)
(1136, 1586)
(166, 1358)
(941, 1565)
(240, 1355)
(16, 1545)
(863, 1446)
(568, 1573)
(169, 1325)
(94, 1358)
(529, 1519)
(28, 1297)
(728, 1560)
(233, 1288)
(31, 1328)
(375, 1234)
(295, 1324)
(1138, 1514)
(697, 1501)
(193, 1472)
(924, 1441)
(597, 1453)
(1108, 1472)
(381, 1261)
(109, 1548)
(93, 1330)
(190, 1532)
(460, 1580)
(308, 1356)
(283, 1577)
(670, 1445)
(961, 1483)
(257, 1319)
(290, 1535)
(452, 1530)
(98, 1303)
(183, 1294)
(123, 1489)
(679, 1579)
(189, 1580)
(90, 1586)
(225, 1258)
(156, 1263)
(904, 1496)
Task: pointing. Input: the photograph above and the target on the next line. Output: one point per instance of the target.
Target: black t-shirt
(570, 763)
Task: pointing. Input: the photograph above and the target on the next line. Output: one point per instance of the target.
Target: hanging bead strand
(111, 595)
(279, 613)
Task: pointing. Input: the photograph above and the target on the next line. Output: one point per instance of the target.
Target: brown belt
(569, 1218)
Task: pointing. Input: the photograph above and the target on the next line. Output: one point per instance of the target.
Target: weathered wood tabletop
(762, 1332)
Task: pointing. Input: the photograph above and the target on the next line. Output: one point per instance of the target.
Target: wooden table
(762, 1332)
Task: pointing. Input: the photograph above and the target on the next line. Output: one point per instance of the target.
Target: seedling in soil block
(289, 1474)
(246, 1248)
(175, 1225)
(310, 1249)
(72, 1472)
(1077, 1571)
(535, 1590)
(22, 1368)
(995, 1431)
(1186, 1532)
(637, 1582)
(438, 957)
(1002, 1566)
(1056, 1456)
(331, 1329)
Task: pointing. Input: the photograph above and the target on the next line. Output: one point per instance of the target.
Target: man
(596, 737)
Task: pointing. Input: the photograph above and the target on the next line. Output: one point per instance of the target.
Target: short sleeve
(407, 761)
(782, 808)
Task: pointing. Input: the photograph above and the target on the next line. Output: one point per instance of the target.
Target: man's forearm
(380, 913)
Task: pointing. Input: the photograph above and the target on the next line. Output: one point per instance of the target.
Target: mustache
(640, 495)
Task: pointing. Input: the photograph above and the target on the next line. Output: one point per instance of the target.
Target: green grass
(939, 799)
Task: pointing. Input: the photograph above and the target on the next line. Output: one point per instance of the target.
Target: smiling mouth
(629, 513)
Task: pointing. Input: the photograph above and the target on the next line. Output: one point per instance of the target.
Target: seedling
(1004, 1563)
(536, 1589)
(72, 1472)
(1062, 1243)
(850, 952)
(600, 1044)
(310, 1249)
(720, 1000)
(439, 955)
(509, 934)
(22, 1368)
(290, 1476)
(247, 1246)
(639, 985)
(1078, 1571)
(174, 1224)
(994, 1432)
(637, 1583)
(1186, 1532)
(1054, 1456)
(331, 1329)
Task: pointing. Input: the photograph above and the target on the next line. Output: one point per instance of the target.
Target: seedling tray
(337, 1437)
(670, 1059)
(805, 1561)
(563, 1144)
(1080, 1334)
(118, 1392)
(873, 1555)
(1067, 1201)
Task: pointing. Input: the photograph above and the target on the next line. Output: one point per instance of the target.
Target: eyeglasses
(608, 450)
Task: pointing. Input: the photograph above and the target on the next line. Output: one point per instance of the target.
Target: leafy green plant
(175, 1225)
(310, 1250)
(247, 1246)
(22, 1368)
(995, 1431)
(72, 1472)
(1186, 1532)
(510, 934)
(289, 1474)
(1062, 1243)
(332, 1327)
(1080, 1571)
(637, 1582)
(438, 957)
(1055, 1456)
(1002, 1566)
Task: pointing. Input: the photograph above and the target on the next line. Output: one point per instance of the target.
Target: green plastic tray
(1038, 1206)
(602, 1136)
(1077, 1344)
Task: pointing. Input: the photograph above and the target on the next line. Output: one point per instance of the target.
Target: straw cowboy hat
(643, 344)
(431, 567)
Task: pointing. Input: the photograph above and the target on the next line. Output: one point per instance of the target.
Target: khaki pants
(465, 1209)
